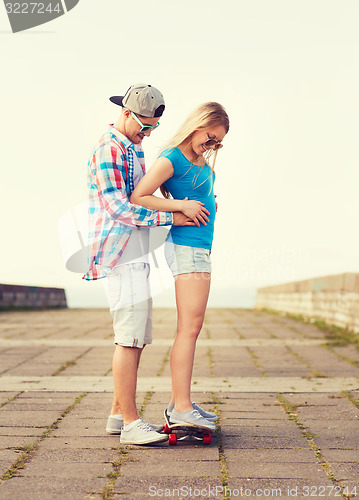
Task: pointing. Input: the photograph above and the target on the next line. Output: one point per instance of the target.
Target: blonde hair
(207, 115)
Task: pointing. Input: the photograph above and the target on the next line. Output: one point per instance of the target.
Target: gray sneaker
(208, 415)
(191, 418)
(114, 426)
(140, 432)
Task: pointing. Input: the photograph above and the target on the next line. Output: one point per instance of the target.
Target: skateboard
(179, 432)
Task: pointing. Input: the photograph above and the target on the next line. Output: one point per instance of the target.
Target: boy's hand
(196, 211)
(180, 219)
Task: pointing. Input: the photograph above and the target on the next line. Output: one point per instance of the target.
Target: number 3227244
(33, 8)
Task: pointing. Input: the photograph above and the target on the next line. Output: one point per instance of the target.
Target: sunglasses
(213, 143)
(144, 128)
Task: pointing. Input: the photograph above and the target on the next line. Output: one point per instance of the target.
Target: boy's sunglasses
(144, 128)
(213, 143)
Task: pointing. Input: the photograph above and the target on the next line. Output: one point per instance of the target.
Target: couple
(122, 211)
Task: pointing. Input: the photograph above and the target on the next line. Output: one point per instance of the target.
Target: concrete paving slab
(271, 456)
(237, 440)
(277, 471)
(347, 471)
(21, 431)
(341, 456)
(279, 487)
(23, 419)
(41, 487)
(5, 397)
(166, 486)
(227, 384)
(336, 443)
(16, 442)
(188, 469)
(257, 437)
(104, 442)
(65, 470)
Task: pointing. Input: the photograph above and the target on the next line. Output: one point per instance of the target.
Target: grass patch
(221, 449)
(291, 411)
(107, 492)
(349, 397)
(315, 373)
(337, 335)
(256, 361)
(164, 362)
(11, 399)
(70, 363)
(330, 346)
(148, 396)
(210, 360)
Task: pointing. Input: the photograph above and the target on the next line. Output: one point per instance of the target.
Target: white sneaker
(140, 432)
(114, 425)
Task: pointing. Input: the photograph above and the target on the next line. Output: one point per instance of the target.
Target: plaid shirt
(112, 216)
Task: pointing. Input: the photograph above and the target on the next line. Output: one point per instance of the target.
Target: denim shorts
(128, 292)
(183, 259)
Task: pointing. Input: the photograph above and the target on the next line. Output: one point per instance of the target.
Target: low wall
(33, 297)
(332, 298)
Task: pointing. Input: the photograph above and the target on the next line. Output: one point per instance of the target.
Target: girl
(183, 171)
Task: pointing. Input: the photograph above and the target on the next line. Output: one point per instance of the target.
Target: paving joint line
(340, 356)
(256, 362)
(313, 371)
(70, 363)
(26, 360)
(28, 451)
(291, 411)
(10, 400)
(221, 448)
(347, 395)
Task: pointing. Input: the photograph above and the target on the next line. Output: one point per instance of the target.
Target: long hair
(207, 115)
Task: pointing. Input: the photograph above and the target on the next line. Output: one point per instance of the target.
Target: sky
(286, 179)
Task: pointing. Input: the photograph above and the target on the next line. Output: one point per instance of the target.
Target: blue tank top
(195, 182)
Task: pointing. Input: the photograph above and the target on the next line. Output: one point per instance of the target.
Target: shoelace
(196, 414)
(145, 426)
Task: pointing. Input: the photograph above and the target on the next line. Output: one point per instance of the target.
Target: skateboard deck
(179, 432)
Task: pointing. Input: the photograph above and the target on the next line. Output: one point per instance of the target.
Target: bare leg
(124, 368)
(192, 292)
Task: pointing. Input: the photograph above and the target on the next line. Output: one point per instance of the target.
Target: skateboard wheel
(206, 439)
(166, 429)
(172, 440)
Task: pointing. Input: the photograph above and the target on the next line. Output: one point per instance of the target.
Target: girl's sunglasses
(144, 128)
(213, 143)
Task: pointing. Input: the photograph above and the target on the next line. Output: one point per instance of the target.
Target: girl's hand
(195, 210)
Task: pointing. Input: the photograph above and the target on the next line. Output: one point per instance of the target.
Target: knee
(193, 330)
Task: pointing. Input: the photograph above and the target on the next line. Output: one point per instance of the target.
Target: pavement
(286, 395)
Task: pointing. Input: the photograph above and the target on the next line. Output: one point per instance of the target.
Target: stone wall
(332, 298)
(33, 297)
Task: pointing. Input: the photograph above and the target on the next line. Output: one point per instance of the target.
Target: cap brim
(117, 99)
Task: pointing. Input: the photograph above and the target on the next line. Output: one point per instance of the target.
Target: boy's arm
(109, 178)
(160, 172)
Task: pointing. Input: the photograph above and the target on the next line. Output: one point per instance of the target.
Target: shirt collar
(121, 138)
